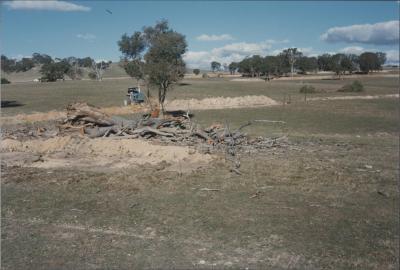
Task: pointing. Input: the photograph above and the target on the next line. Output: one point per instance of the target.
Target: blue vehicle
(135, 96)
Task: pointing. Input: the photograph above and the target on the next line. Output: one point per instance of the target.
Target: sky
(222, 31)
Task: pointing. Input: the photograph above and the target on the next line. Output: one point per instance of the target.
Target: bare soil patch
(108, 153)
(220, 103)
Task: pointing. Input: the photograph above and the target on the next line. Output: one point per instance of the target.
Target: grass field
(330, 200)
(43, 97)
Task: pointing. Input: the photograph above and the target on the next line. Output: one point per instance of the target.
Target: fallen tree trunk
(148, 130)
(83, 112)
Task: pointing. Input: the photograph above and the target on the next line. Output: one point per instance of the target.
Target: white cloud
(273, 41)
(226, 54)
(206, 37)
(383, 33)
(242, 48)
(87, 36)
(308, 51)
(20, 56)
(352, 50)
(53, 5)
(392, 57)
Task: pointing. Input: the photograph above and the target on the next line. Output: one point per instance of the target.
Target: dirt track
(355, 97)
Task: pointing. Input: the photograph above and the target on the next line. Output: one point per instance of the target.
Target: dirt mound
(104, 152)
(220, 103)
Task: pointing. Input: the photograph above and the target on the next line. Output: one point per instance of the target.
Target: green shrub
(92, 75)
(5, 81)
(308, 89)
(196, 71)
(355, 86)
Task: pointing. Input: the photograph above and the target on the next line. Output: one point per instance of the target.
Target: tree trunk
(291, 69)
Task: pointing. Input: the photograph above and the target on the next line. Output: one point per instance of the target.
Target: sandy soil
(220, 103)
(106, 153)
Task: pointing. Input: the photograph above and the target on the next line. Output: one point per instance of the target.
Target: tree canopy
(370, 61)
(290, 60)
(155, 56)
(215, 66)
(52, 72)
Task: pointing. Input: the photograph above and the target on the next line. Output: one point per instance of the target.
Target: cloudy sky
(216, 31)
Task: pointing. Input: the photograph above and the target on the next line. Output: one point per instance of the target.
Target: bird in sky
(109, 11)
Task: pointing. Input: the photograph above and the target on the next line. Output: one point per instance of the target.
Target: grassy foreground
(328, 201)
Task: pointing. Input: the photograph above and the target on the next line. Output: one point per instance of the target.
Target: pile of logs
(176, 127)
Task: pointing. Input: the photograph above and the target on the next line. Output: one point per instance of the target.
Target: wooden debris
(174, 128)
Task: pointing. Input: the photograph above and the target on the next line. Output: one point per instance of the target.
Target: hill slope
(113, 71)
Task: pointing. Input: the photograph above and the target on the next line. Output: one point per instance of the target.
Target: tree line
(55, 69)
(292, 61)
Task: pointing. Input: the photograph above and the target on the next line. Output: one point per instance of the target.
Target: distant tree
(98, 69)
(306, 64)
(246, 67)
(337, 64)
(159, 50)
(74, 72)
(348, 63)
(324, 62)
(196, 71)
(256, 62)
(381, 59)
(233, 67)
(270, 65)
(355, 62)
(7, 65)
(215, 66)
(282, 64)
(292, 55)
(40, 59)
(71, 60)
(370, 61)
(85, 62)
(24, 65)
(53, 71)
(92, 75)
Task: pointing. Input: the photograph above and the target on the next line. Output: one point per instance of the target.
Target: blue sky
(222, 31)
